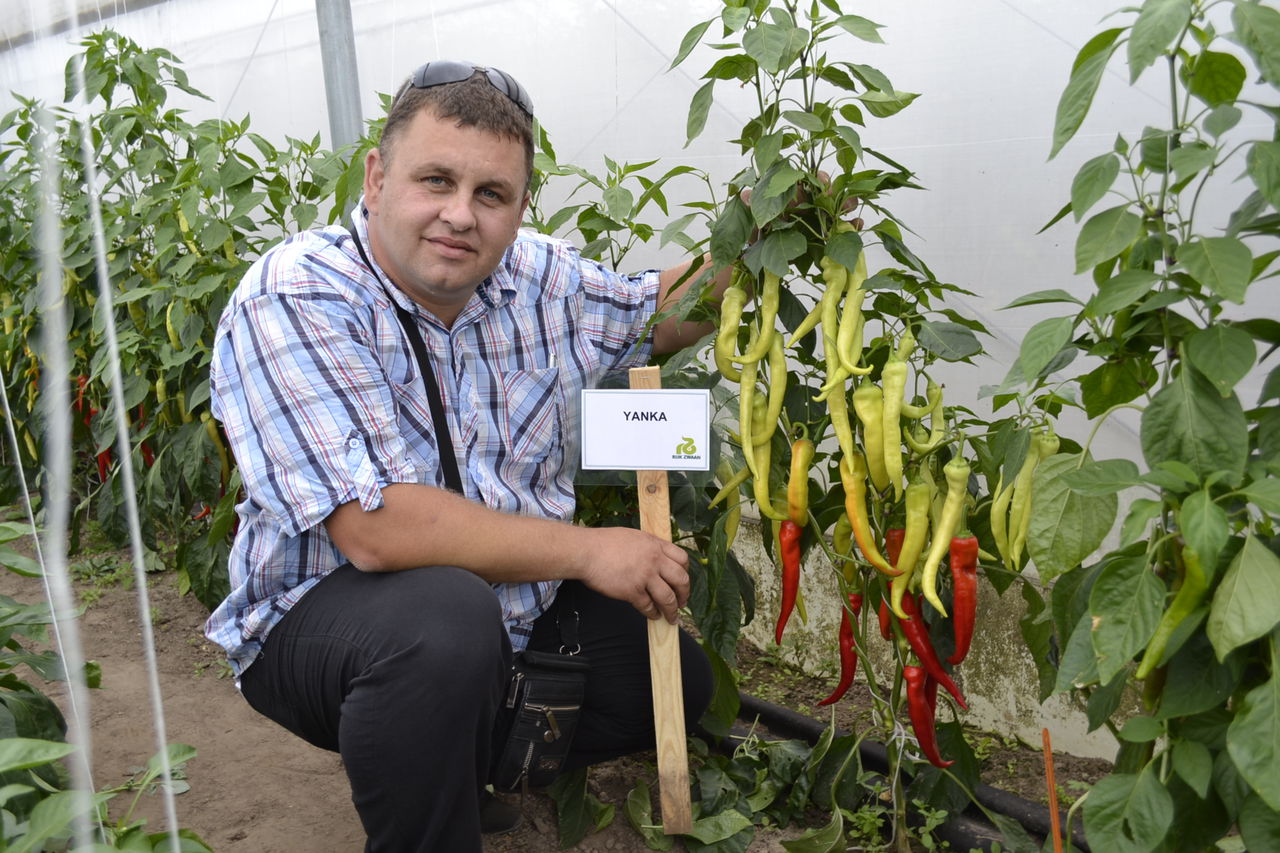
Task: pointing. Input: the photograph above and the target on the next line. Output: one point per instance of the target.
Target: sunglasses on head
(443, 71)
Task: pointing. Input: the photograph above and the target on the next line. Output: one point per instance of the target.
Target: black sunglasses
(443, 71)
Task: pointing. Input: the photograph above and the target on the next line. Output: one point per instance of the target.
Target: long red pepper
(892, 548)
(848, 652)
(913, 628)
(789, 544)
(921, 711)
(964, 586)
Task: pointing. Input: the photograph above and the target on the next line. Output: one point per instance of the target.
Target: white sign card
(646, 430)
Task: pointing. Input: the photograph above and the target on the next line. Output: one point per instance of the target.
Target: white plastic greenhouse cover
(990, 72)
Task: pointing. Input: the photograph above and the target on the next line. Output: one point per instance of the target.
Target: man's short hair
(474, 102)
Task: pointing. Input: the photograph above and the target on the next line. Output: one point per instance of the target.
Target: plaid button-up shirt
(323, 403)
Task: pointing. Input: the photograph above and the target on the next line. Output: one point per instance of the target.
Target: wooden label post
(664, 654)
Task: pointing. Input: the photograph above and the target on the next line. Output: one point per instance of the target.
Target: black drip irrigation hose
(965, 831)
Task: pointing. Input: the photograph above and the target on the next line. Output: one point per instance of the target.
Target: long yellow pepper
(917, 533)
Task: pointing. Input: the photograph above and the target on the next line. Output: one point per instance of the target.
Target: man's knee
(440, 619)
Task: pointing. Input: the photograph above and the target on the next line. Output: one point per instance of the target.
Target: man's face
(444, 209)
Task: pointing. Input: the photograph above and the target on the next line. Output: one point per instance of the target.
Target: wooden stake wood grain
(664, 654)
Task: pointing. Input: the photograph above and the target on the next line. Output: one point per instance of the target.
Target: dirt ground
(254, 788)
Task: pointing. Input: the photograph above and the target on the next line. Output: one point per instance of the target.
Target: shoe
(496, 816)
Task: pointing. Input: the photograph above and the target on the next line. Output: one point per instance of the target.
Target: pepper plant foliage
(1187, 608)
(185, 208)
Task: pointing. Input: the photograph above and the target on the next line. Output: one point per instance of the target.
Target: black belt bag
(535, 725)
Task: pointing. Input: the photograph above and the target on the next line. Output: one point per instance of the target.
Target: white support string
(54, 404)
(245, 70)
(125, 454)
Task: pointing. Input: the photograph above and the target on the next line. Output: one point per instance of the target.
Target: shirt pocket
(531, 413)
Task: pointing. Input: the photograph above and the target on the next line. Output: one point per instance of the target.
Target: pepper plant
(826, 337)
(1184, 613)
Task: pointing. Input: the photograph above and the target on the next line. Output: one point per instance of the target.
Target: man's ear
(524, 205)
(373, 176)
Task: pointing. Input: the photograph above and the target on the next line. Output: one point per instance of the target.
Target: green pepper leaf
(1253, 740)
(1264, 169)
(861, 28)
(826, 839)
(689, 42)
(1092, 182)
(1196, 680)
(1106, 235)
(1259, 824)
(1190, 421)
(1216, 78)
(1204, 526)
(1265, 494)
(1121, 291)
(719, 827)
(773, 44)
(1141, 729)
(1246, 605)
(1042, 344)
(20, 753)
(1224, 354)
(1193, 762)
(948, 341)
(1258, 29)
(1141, 513)
(1079, 665)
(1065, 526)
(1103, 478)
(1159, 23)
(1125, 603)
(1223, 264)
(1077, 97)
(1128, 813)
(1042, 297)
(578, 812)
(699, 109)
(639, 812)
(777, 250)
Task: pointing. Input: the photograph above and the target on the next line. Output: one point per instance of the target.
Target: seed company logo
(686, 449)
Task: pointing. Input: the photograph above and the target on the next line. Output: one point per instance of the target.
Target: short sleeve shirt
(322, 400)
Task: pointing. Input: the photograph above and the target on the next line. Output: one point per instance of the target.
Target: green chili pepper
(777, 390)
(868, 403)
(1045, 446)
(834, 279)
(853, 475)
(957, 473)
(802, 451)
(1194, 588)
(894, 378)
(917, 528)
(769, 296)
(731, 305)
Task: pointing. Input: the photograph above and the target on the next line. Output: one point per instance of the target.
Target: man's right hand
(649, 573)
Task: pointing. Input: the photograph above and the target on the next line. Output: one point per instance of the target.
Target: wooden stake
(664, 654)
(1053, 793)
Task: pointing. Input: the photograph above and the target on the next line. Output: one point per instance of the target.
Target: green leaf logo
(686, 447)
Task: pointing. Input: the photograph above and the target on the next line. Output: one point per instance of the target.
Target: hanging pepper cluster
(883, 433)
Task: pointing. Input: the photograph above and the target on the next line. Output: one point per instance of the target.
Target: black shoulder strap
(444, 443)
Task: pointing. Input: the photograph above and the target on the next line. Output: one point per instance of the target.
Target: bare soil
(254, 788)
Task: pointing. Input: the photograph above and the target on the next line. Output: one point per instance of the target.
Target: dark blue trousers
(402, 674)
